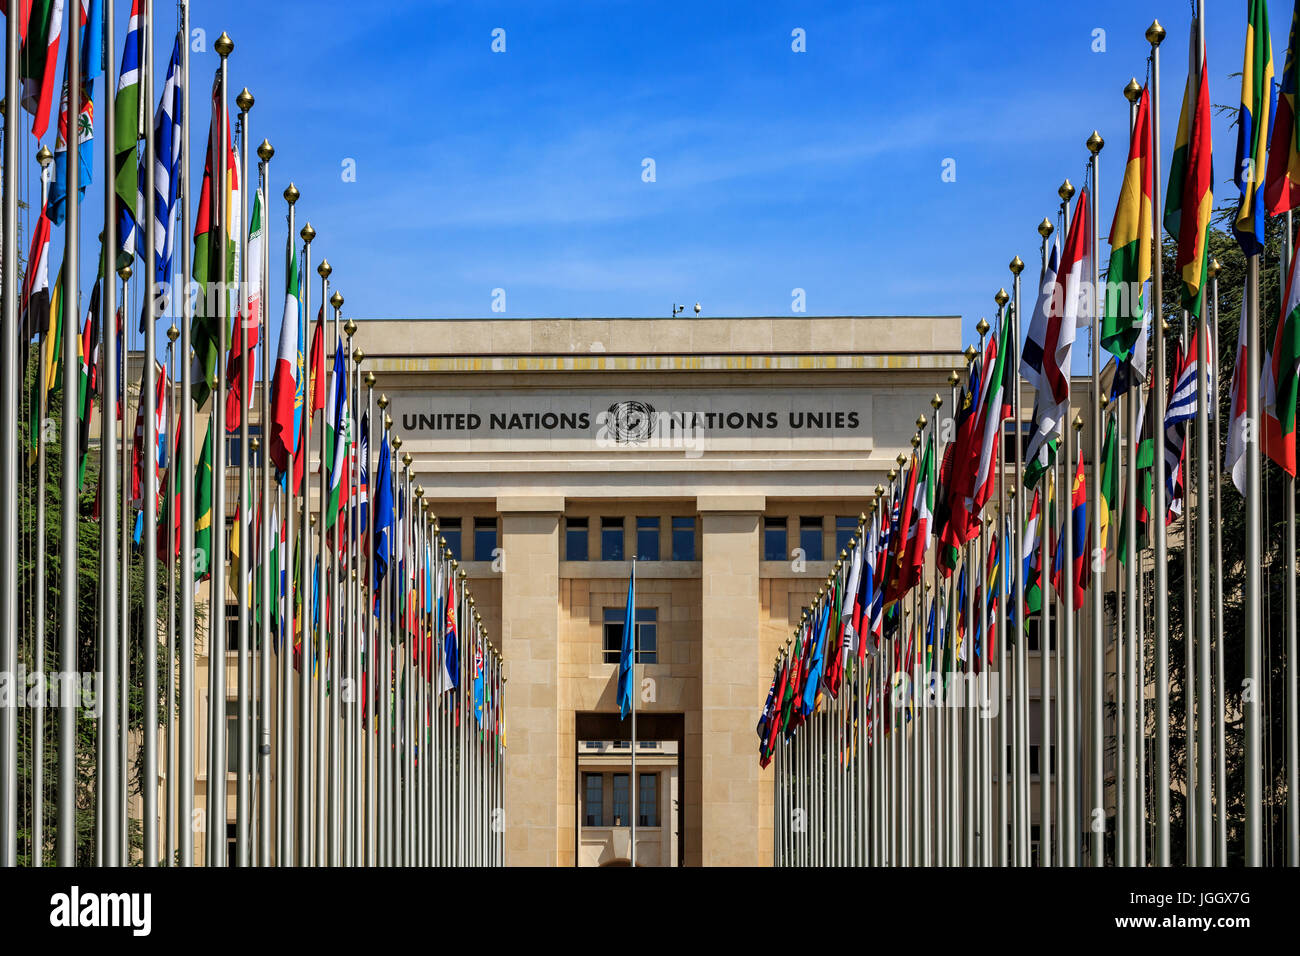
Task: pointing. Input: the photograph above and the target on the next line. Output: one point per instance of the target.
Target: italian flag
(1279, 388)
(246, 329)
(287, 384)
(1130, 244)
(39, 59)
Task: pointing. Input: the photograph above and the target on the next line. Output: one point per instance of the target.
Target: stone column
(731, 529)
(530, 588)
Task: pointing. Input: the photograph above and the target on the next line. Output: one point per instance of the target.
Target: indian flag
(1130, 244)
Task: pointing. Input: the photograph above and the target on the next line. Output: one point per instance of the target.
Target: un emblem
(630, 422)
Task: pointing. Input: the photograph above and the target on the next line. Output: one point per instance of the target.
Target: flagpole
(1220, 760)
(336, 644)
(1155, 35)
(1292, 681)
(169, 814)
(9, 431)
(324, 381)
(266, 816)
(243, 849)
(67, 761)
(122, 761)
(185, 771)
(306, 585)
(1070, 837)
(632, 699)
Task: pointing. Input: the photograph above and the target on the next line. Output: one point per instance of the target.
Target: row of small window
(484, 538)
(613, 544)
(647, 634)
(598, 812)
(776, 537)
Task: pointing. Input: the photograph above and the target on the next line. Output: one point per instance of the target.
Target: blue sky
(775, 170)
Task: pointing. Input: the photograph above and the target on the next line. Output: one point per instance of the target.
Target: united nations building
(731, 458)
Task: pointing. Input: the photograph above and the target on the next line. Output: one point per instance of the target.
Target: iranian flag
(1279, 387)
(287, 384)
(38, 61)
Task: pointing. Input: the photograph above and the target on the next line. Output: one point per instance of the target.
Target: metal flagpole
(1253, 848)
(108, 496)
(1292, 680)
(244, 726)
(1220, 761)
(216, 789)
(632, 695)
(149, 499)
(1009, 547)
(1155, 34)
(321, 567)
(120, 781)
(67, 761)
(9, 430)
(1069, 781)
(172, 566)
(306, 584)
(336, 643)
(46, 159)
(185, 808)
(266, 542)
(1191, 768)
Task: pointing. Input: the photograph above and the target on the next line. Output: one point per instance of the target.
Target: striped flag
(1234, 461)
(1109, 481)
(1279, 388)
(128, 130)
(1252, 130)
(38, 58)
(1130, 244)
(1190, 199)
(287, 385)
(1183, 400)
(338, 436)
(167, 131)
(996, 410)
(34, 312)
(1282, 175)
(248, 323)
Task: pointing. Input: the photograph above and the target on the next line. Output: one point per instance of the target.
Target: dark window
(232, 845)
(774, 539)
(232, 448)
(1033, 759)
(232, 627)
(611, 539)
(1009, 436)
(647, 539)
(594, 810)
(622, 812)
(647, 801)
(1033, 624)
(647, 636)
(683, 539)
(232, 736)
(450, 528)
(485, 538)
(846, 526)
(810, 538)
(575, 539)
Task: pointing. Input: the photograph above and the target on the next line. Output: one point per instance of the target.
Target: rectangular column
(731, 531)
(530, 583)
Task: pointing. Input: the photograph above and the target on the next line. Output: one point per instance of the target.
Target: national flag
(897, 553)
(952, 516)
(248, 324)
(450, 677)
(128, 130)
(996, 410)
(1234, 461)
(1183, 400)
(1282, 175)
(203, 509)
(1067, 304)
(315, 394)
(1279, 389)
(627, 649)
(478, 682)
(1130, 243)
(167, 130)
(87, 379)
(85, 126)
(1174, 441)
(216, 224)
(34, 313)
(288, 385)
(338, 435)
(812, 685)
(1109, 482)
(1190, 198)
(1253, 121)
(918, 535)
(383, 514)
(38, 60)
(1029, 558)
